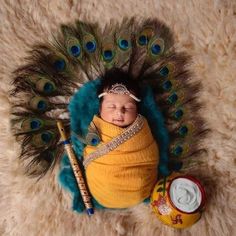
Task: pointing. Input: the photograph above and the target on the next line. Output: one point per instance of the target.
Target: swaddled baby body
(122, 170)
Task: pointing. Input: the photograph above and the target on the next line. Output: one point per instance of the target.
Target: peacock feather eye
(167, 70)
(42, 105)
(143, 40)
(75, 50)
(59, 64)
(164, 71)
(108, 55)
(180, 149)
(39, 103)
(35, 124)
(48, 87)
(46, 137)
(89, 43)
(172, 99)
(177, 151)
(42, 139)
(123, 44)
(45, 86)
(156, 49)
(90, 46)
(31, 124)
(183, 131)
(167, 85)
(178, 114)
(73, 46)
(108, 52)
(145, 35)
(94, 141)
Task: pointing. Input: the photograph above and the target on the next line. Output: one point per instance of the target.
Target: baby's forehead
(118, 98)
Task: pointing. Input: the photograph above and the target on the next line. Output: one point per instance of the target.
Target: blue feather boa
(83, 106)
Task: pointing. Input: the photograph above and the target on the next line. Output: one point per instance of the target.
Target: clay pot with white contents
(178, 200)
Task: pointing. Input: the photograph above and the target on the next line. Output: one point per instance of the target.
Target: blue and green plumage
(59, 81)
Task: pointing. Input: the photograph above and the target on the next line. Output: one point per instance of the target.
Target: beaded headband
(119, 89)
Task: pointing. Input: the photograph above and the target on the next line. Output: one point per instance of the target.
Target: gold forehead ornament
(119, 89)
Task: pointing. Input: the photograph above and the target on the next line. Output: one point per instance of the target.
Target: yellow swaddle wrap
(125, 176)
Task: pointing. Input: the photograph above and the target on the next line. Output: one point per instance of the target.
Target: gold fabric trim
(128, 133)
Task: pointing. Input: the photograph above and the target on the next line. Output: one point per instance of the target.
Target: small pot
(178, 200)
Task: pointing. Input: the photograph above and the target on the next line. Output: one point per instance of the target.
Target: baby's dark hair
(116, 75)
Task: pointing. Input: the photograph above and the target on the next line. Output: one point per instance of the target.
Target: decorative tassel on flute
(76, 169)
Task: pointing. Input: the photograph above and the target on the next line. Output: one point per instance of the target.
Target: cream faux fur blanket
(203, 28)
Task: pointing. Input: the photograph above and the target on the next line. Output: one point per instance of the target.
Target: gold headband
(119, 89)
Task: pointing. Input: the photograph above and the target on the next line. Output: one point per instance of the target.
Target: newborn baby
(122, 170)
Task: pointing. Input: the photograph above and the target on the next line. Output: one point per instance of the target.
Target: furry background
(204, 28)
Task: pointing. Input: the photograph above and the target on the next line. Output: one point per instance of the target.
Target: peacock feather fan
(83, 52)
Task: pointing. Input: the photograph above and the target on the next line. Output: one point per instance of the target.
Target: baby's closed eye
(111, 106)
(129, 108)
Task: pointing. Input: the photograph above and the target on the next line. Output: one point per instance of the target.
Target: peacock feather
(83, 52)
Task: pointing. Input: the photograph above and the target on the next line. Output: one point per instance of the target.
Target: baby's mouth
(118, 120)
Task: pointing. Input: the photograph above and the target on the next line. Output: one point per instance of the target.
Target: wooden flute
(76, 169)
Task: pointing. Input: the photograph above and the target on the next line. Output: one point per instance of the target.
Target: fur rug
(203, 28)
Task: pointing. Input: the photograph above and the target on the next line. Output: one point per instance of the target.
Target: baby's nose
(121, 110)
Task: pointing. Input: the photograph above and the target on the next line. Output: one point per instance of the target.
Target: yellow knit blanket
(125, 176)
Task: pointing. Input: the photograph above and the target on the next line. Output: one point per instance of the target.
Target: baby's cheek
(129, 119)
(107, 116)
(133, 116)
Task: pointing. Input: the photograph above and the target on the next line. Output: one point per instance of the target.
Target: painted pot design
(178, 200)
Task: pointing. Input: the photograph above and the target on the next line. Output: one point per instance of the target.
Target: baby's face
(118, 109)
